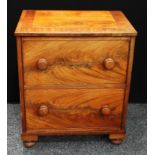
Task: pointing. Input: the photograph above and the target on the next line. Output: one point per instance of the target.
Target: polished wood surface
(73, 23)
(73, 105)
(21, 81)
(42, 64)
(74, 73)
(106, 110)
(109, 63)
(43, 110)
(129, 74)
(92, 61)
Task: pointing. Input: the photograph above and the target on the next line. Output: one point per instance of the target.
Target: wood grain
(129, 74)
(74, 73)
(86, 131)
(75, 62)
(21, 81)
(73, 108)
(78, 131)
(73, 23)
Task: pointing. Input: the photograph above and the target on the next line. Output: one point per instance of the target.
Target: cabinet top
(73, 23)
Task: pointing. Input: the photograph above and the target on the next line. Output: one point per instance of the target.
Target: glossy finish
(42, 64)
(67, 106)
(43, 110)
(109, 63)
(73, 23)
(105, 110)
(91, 60)
(74, 73)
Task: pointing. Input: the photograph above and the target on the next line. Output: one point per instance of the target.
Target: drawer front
(66, 109)
(75, 62)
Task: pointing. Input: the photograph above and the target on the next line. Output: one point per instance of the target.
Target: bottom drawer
(69, 109)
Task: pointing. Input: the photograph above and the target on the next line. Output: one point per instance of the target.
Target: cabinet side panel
(21, 80)
(129, 73)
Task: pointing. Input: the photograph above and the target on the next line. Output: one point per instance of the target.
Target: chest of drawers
(74, 73)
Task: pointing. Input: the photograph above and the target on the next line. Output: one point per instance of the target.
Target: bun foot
(29, 144)
(29, 140)
(117, 138)
(116, 141)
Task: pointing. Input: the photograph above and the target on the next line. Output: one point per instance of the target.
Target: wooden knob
(106, 110)
(42, 64)
(109, 63)
(43, 110)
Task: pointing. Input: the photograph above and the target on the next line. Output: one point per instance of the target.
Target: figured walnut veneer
(74, 73)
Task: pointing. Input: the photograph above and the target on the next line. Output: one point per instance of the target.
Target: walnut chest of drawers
(74, 73)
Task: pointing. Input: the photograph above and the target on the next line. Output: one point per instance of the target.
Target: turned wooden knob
(109, 63)
(106, 110)
(43, 110)
(42, 64)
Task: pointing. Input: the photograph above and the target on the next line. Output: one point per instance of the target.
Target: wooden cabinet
(74, 72)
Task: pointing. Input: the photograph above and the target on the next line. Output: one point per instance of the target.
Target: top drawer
(74, 61)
